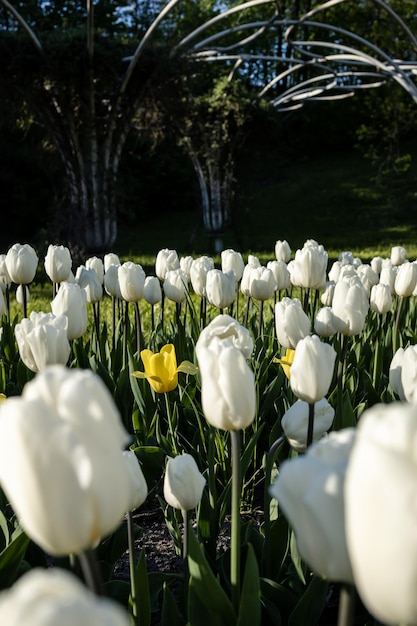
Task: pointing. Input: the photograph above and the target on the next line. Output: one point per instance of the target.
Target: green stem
(346, 612)
(260, 319)
(395, 339)
(185, 536)
(91, 572)
(138, 328)
(131, 548)
(170, 424)
(310, 428)
(338, 421)
(235, 527)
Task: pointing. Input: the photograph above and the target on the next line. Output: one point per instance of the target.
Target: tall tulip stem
(310, 428)
(235, 528)
(395, 339)
(346, 605)
(185, 536)
(170, 424)
(138, 327)
(260, 319)
(91, 572)
(131, 547)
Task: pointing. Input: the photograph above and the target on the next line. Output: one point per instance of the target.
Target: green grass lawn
(331, 198)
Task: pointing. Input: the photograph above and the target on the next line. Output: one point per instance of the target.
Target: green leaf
(250, 605)
(311, 604)
(11, 558)
(170, 614)
(139, 601)
(208, 603)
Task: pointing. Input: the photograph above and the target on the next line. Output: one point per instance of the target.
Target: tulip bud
(152, 290)
(324, 325)
(5, 280)
(137, 482)
(406, 279)
(281, 274)
(326, 297)
(407, 363)
(185, 265)
(291, 323)
(110, 259)
(376, 264)
(71, 301)
(310, 490)
(132, 281)
(368, 277)
(387, 277)
(395, 374)
(89, 281)
(350, 306)
(61, 462)
(282, 251)
(58, 263)
(42, 340)
(96, 264)
(346, 257)
(380, 512)
(176, 285)
(233, 261)
(47, 597)
(220, 288)
(183, 483)
(308, 270)
(22, 294)
(262, 283)
(21, 263)
(198, 274)
(381, 298)
(111, 281)
(166, 260)
(398, 255)
(295, 422)
(312, 369)
(227, 383)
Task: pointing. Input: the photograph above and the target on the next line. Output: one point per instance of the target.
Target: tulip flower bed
(276, 402)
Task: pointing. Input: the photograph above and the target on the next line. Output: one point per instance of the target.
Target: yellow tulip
(161, 369)
(286, 361)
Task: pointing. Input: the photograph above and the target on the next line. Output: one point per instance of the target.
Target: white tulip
(381, 298)
(310, 491)
(131, 281)
(47, 597)
(380, 512)
(183, 482)
(21, 263)
(152, 290)
(165, 261)
(228, 393)
(220, 288)
(291, 323)
(176, 285)
(58, 263)
(42, 340)
(71, 300)
(137, 482)
(295, 422)
(282, 251)
(233, 261)
(312, 369)
(61, 462)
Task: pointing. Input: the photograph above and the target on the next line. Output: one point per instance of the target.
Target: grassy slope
(331, 198)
